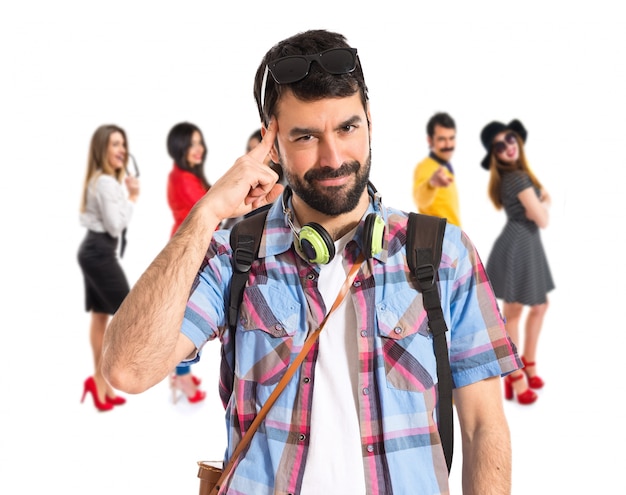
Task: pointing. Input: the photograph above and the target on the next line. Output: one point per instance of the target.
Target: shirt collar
(448, 165)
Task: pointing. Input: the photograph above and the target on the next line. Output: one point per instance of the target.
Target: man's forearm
(141, 344)
(487, 462)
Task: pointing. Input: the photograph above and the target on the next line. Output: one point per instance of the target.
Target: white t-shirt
(334, 463)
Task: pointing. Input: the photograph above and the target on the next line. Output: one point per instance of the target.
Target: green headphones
(317, 244)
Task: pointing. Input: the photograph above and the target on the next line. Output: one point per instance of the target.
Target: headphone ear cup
(316, 243)
(373, 235)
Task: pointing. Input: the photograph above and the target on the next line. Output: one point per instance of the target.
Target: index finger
(260, 151)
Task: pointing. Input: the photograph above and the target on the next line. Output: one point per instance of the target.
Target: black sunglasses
(500, 146)
(135, 168)
(293, 68)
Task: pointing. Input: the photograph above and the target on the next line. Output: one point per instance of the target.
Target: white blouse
(108, 208)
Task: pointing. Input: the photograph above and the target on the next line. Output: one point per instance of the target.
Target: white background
(69, 66)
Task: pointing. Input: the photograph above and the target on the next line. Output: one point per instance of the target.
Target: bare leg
(534, 322)
(99, 323)
(183, 380)
(512, 314)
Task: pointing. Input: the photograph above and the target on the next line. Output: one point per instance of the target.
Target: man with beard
(434, 189)
(359, 414)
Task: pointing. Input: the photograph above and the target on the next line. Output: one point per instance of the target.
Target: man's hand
(248, 184)
(440, 178)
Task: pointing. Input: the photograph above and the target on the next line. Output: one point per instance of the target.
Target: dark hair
(256, 135)
(318, 83)
(442, 119)
(178, 144)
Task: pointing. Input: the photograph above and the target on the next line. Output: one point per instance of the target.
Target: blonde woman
(517, 265)
(105, 211)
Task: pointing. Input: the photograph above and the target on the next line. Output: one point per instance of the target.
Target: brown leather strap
(306, 347)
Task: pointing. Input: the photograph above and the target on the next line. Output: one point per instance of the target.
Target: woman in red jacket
(186, 184)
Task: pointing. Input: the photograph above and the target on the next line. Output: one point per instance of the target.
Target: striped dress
(517, 265)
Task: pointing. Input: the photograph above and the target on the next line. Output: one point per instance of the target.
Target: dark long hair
(178, 144)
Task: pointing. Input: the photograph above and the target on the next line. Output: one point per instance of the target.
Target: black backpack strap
(245, 239)
(424, 239)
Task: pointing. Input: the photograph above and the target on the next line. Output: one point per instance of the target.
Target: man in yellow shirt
(434, 189)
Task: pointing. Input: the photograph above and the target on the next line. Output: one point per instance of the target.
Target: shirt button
(357, 283)
(310, 276)
(397, 330)
(366, 391)
(278, 327)
(306, 379)
(302, 437)
(363, 333)
(370, 448)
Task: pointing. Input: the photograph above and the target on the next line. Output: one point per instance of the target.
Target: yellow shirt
(435, 201)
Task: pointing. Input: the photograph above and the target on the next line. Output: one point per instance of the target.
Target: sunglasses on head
(294, 68)
(501, 146)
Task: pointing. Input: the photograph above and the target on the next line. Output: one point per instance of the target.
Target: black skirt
(106, 285)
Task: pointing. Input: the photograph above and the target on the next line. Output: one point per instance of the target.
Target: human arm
(536, 208)
(132, 185)
(143, 342)
(485, 436)
(427, 177)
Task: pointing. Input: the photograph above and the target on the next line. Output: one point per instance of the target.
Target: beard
(334, 200)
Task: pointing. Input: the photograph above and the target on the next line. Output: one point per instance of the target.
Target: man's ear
(274, 155)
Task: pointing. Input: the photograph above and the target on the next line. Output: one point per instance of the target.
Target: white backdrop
(70, 66)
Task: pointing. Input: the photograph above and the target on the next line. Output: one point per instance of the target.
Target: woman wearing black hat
(517, 265)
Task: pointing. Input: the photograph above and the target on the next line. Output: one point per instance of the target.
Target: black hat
(494, 128)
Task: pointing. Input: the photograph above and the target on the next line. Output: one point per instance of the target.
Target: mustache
(347, 168)
(445, 150)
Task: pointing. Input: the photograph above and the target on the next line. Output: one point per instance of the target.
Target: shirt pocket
(269, 319)
(406, 343)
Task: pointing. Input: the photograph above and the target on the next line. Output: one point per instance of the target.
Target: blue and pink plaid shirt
(397, 380)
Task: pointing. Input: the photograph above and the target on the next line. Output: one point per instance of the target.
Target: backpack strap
(245, 239)
(423, 252)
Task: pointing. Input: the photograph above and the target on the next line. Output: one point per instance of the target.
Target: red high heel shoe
(90, 386)
(525, 398)
(198, 395)
(115, 401)
(196, 381)
(533, 381)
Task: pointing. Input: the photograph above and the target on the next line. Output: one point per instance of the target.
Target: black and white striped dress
(517, 265)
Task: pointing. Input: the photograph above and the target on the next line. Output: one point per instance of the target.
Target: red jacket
(183, 191)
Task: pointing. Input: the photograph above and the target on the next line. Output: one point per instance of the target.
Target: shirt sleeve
(423, 193)
(479, 344)
(519, 182)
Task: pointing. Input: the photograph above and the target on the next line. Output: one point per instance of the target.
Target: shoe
(534, 381)
(90, 386)
(116, 401)
(199, 396)
(196, 381)
(525, 398)
(194, 396)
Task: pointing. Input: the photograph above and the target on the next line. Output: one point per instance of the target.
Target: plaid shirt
(397, 378)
